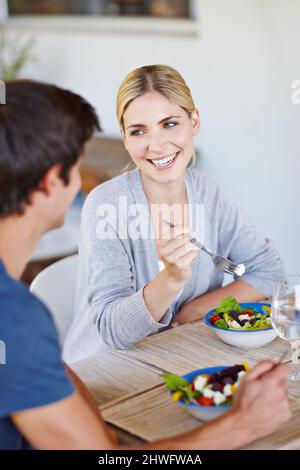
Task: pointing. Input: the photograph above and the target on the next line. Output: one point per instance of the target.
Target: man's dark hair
(40, 126)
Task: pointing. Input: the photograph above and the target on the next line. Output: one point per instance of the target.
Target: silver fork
(222, 263)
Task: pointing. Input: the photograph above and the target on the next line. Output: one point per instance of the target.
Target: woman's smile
(162, 164)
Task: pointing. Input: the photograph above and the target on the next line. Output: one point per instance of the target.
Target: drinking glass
(285, 316)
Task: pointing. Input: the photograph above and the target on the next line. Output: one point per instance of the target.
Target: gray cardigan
(110, 309)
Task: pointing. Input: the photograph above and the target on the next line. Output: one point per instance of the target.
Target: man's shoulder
(20, 308)
(16, 292)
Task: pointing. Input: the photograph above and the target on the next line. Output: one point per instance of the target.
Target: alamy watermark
(2, 92)
(138, 221)
(295, 97)
(2, 353)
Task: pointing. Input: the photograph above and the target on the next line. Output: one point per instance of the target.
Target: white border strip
(135, 25)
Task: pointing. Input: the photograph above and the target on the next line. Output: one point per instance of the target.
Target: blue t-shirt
(31, 370)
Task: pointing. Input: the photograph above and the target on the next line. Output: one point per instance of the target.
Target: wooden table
(128, 387)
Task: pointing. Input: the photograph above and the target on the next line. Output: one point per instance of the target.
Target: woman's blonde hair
(160, 78)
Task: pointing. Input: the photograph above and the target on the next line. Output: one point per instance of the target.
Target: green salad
(217, 388)
(230, 315)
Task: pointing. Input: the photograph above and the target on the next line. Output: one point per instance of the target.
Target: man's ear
(51, 180)
(195, 122)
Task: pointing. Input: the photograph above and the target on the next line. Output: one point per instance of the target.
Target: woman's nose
(155, 142)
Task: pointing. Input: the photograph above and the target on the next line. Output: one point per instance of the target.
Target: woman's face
(158, 134)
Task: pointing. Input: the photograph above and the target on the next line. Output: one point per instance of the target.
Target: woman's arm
(197, 308)
(110, 269)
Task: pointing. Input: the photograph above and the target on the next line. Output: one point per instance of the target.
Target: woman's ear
(123, 134)
(195, 122)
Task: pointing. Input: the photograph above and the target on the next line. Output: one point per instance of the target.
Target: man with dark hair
(41, 127)
(43, 404)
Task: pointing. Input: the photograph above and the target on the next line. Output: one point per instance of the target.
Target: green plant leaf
(14, 54)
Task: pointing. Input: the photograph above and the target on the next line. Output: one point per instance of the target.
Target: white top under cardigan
(174, 305)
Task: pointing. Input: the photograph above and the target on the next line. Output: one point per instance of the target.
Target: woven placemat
(110, 377)
(194, 346)
(152, 416)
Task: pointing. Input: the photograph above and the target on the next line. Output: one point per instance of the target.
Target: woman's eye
(137, 132)
(170, 124)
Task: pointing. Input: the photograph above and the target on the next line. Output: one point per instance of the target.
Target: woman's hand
(262, 399)
(177, 253)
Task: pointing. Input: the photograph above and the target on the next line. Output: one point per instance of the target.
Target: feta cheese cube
(240, 269)
(208, 393)
(219, 398)
(235, 324)
(200, 383)
(227, 390)
(241, 374)
(244, 317)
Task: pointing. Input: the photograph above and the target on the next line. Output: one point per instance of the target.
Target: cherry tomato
(214, 318)
(205, 401)
(248, 313)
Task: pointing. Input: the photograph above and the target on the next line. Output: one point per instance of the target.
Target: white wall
(240, 71)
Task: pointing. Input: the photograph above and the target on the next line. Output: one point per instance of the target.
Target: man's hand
(262, 398)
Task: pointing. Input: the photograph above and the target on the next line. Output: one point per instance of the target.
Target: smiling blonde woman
(136, 275)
